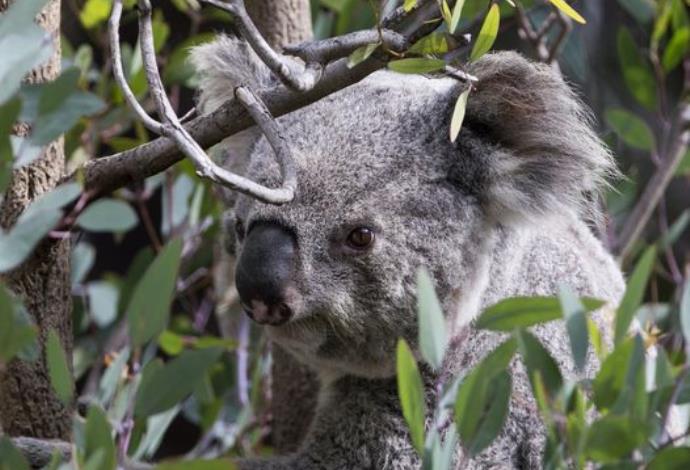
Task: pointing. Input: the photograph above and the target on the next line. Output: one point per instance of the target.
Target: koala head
(382, 192)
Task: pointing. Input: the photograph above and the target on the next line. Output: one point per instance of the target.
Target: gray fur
(501, 213)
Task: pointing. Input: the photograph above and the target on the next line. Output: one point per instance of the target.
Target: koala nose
(264, 273)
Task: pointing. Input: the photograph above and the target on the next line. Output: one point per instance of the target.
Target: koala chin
(506, 210)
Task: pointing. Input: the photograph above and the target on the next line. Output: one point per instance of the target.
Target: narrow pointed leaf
(487, 33)
(411, 393)
(458, 115)
(58, 369)
(634, 293)
(568, 10)
(432, 323)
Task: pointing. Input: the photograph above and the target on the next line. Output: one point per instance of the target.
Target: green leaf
(637, 71)
(613, 437)
(641, 10)
(60, 105)
(98, 438)
(55, 199)
(671, 458)
(576, 325)
(163, 387)
(10, 457)
(171, 343)
(481, 410)
(675, 231)
(103, 298)
(9, 113)
(458, 115)
(482, 399)
(148, 310)
(685, 311)
(411, 393)
(17, 244)
(361, 54)
(435, 43)
(198, 465)
(94, 12)
(16, 334)
(676, 49)
(634, 293)
(408, 5)
(112, 376)
(432, 323)
(568, 10)
(58, 369)
(23, 45)
(538, 360)
(156, 426)
(416, 65)
(615, 374)
(523, 312)
(108, 215)
(487, 33)
(630, 128)
(455, 17)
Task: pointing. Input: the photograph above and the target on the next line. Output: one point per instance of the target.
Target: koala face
(332, 274)
(382, 192)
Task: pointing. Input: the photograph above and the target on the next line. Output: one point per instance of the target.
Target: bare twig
(118, 72)
(290, 72)
(39, 452)
(653, 192)
(173, 128)
(331, 49)
(546, 52)
(106, 174)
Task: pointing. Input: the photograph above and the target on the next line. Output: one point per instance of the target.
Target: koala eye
(239, 229)
(360, 238)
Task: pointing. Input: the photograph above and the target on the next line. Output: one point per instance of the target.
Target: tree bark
(294, 387)
(28, 404)
(282, 22)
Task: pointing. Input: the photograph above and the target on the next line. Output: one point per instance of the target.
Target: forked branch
(170, 125)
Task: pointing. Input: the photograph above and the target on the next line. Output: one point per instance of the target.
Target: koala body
(382, 192)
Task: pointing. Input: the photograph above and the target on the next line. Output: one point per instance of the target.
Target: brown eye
(360, 238)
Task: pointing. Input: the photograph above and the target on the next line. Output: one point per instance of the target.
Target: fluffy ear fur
(222, 65)
(546, 158)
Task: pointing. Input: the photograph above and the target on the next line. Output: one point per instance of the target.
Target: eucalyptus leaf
(103, 298)
(15, 333)
(98, 438)
(411, 393)
(432, 323)
(634, 293)
(576, 325)
(523, 312)
(165, 386)
(538, 360)
(17, 244)
(637, 71)
(361, 54)
(148, 310)
(568, 10)
(10, 457)
(671, 458)
(630, 128)
(108, 215)
(487, 33)
(58, 368)
(416, 65)
(458, 115)
(677, 48)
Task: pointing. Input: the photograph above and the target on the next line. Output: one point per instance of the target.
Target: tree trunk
(28, 404)
(282, 22)
(294, 387)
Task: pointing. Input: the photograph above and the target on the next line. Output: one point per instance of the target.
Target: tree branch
(331, 49)
(289, 71)
(106, 174)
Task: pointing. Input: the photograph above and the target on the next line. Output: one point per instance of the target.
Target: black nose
(264, 271)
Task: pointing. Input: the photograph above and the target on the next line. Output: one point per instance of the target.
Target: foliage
(143, 266)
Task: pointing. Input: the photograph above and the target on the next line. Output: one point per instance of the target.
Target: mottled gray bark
(294, 387)
(28, 404)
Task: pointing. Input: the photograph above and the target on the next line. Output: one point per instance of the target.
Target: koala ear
(544, 156)
(222, 65)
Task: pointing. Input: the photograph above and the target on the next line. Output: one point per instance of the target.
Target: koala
(504, 211)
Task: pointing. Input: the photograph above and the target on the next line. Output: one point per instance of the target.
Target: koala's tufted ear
(222, 65)
(544, 156)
